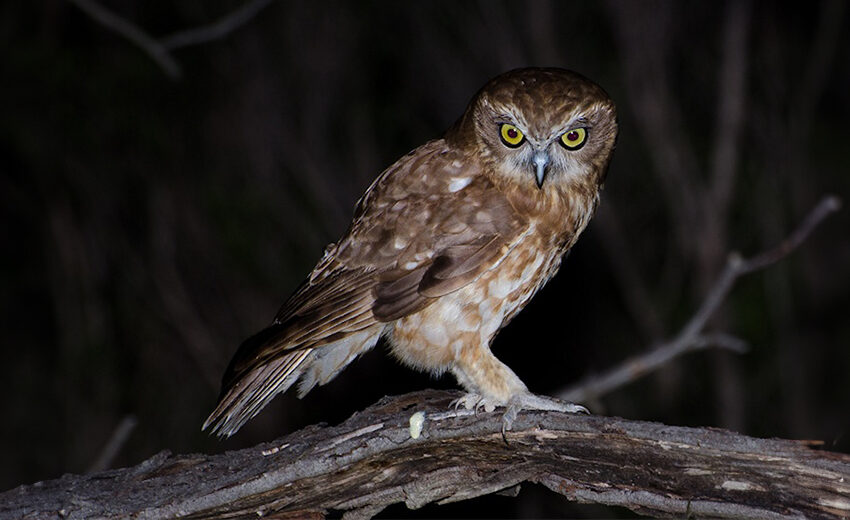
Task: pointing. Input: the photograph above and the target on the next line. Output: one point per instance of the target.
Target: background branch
(114, 444)
(217, 30)
(730, 107)
(690, 337)
(160, 50)
(130, 31)
(371, 461)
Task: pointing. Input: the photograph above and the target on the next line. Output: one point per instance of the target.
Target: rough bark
(371, 461)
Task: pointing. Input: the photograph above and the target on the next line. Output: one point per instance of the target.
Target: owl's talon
(488, 405)
(508, 418)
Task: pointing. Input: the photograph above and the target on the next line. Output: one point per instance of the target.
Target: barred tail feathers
(253, 391)
(246, 391)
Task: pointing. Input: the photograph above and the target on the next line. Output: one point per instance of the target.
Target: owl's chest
(517, 279)
(471, 316)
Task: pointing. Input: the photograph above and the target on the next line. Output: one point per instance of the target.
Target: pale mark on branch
(356, 433)
(736, 485)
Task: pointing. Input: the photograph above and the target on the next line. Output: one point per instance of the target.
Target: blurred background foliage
(150, 224)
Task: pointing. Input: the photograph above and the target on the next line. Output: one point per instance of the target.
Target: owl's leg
(491, 384)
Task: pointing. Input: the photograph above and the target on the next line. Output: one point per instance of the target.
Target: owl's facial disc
(513, 137)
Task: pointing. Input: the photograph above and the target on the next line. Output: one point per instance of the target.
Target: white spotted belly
(470, 317)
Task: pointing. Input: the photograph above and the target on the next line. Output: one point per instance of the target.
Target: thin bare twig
(643, 34)
(638, 366)
(732, 88)
(217, 30)
(128, 30)
(113, 446)
(160, 50)
(636, 293)
(819, 64)
(690, 338)
(737, 266)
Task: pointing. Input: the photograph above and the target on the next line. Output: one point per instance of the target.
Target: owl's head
(540, 125)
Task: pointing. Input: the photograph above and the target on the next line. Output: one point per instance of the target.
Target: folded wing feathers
(459, 266)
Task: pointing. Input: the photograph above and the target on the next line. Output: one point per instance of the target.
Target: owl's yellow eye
(511, 135)
(574, 139)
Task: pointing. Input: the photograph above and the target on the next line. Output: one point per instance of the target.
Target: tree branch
(636, 294)
(160, 50)
(730, 106)
(643, 35)
(217, 30)
(130, 31)
(372, 460)
(691, 337)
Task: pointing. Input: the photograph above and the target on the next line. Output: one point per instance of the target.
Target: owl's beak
(541, 160)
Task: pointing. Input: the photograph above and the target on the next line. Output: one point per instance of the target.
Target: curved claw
(577, 408)
(469, 401)
(508, 418)
(475, 402)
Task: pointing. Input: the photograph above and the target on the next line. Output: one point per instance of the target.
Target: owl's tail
(247, 390)
(252, 380)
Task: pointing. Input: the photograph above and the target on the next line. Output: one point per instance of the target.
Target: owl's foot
(529, 401)
(521, 401)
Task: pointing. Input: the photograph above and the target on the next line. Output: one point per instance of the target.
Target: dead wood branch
(371, 461)
(691, 337)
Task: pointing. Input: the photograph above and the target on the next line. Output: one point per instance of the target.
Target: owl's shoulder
(435, 167)
(432, 198)
(432, 178)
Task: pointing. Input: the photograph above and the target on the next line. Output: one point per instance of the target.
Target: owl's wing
(402, 292)
(427, 226)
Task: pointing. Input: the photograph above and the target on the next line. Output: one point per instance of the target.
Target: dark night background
(149, 224)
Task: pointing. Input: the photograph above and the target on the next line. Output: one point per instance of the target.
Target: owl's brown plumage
(446, 246)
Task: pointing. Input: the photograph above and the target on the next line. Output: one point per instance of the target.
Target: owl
(446, 246)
